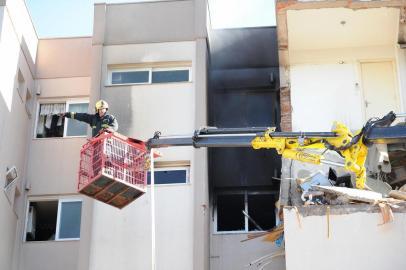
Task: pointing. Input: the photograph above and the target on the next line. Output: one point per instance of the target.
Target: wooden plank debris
(352, 194)
(397, 194)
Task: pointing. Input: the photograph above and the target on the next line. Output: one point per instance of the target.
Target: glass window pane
(261, 208)
(229, 212)
(69, 224)
(74, 127)
(170, 76)
(169, 177)
(130, 77)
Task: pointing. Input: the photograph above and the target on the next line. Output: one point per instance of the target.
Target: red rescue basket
(113, 169)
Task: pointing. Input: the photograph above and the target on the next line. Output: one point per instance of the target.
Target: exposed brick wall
(286, 109)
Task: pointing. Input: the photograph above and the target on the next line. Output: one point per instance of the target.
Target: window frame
(150, 70)
(55, 101)
(189, 69)
(246, 206)
(186, 168)
(58, 219)
(111, 71)
(47, 199)
(65, 124)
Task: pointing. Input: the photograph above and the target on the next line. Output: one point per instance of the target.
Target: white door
(379, 87)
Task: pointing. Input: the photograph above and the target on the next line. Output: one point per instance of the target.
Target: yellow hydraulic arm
(294, 148)
(353, 148)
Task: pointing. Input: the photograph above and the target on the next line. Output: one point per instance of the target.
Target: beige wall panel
(8, 224)
(142, 110)
(24, 29)
(199, 172)
(330, 78)
(53, 165)
(150, 22)
(121, 239)
(64, 57)
(64, 87)
(227, 252)
(50, 255)
(14, 127)
(148, 53)
(357, 241)
(99, 21)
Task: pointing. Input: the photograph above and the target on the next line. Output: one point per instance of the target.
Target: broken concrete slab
(352, 194)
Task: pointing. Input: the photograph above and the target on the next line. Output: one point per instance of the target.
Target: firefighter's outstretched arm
(83, 117)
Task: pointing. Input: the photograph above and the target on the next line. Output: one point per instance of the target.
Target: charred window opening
(261, 208)
(245, 211)
(229, 212)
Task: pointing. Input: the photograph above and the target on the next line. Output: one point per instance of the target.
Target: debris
(267, 259)
(328, 221)
(298, 216)
(317, 178)
(271, 235)
(342, 180)
(274, 234)
(352, 194)
(397, 194)
(378, 185)
(387, 214)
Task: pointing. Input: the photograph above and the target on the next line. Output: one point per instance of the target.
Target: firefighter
(98, 121)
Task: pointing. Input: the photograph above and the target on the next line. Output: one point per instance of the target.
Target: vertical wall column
(200, 167)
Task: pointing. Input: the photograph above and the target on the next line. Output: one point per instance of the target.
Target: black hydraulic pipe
(260, 131)
(223, 141)
(383, 135)
(213, 130)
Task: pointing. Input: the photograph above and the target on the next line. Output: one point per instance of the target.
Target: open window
(53, 220)
(50, 124)
(244, 211)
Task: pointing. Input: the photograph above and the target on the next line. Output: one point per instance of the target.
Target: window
(244, 211)
(50, 124)
(124, 77)
(164, 76)
(53, 220)
(74, 127)
(170, 176)
(148, 76)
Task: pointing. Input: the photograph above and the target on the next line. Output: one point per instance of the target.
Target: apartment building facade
(153, 78)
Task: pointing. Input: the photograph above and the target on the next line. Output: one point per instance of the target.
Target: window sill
(51, 241)
(138, 84)
(170, 185)
(236, 232)
(59, 138)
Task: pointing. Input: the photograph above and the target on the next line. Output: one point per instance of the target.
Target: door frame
(395, 79)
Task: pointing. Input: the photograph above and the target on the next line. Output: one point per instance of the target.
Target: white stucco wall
(356, 241)
(326, 86)
(122, 238)
(63, 73)
(228, 252)
(14, 122)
